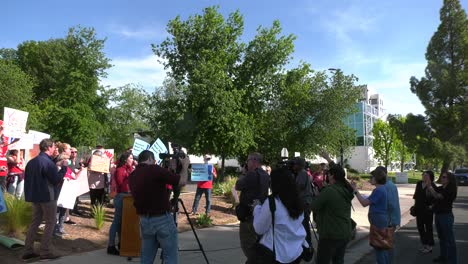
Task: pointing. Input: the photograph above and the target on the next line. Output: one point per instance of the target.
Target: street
(407, 238)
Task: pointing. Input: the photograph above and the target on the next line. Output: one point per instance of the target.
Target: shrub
(17, 217)
(225, 188)
(204, 220)
(99, 214)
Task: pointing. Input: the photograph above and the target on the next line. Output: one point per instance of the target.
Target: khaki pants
(41, 211)
(248, 237)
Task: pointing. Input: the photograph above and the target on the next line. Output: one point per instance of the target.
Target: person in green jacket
(333, 209)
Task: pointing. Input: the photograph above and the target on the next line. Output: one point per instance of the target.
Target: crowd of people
(274, 205)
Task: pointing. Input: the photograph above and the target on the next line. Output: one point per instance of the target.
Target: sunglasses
(73, 151)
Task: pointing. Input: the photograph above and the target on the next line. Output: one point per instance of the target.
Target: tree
(402, 151)
(384, 141)
(126, 115)
(206, 57)
(66, 73)
(15, 86)
(444, 88)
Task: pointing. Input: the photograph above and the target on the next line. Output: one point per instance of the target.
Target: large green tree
(444, 89)
(384, 141)
(66, 72)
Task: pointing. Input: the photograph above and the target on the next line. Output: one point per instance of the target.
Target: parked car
(462, 176)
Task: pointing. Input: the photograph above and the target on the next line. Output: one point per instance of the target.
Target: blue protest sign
(157, 148)
(202, 172)
(138, 146)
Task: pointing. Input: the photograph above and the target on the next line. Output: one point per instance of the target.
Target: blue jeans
(198, 195)
(116, 225)
(158, 232)
(380, 221)
(16, 187)
(444, 226)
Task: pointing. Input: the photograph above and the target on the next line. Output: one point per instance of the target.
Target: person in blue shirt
(393, 201)
(378, 209)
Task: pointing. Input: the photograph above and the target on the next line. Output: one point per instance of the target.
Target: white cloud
(145, 71)
(147, 32)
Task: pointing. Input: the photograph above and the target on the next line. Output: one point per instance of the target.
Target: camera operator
(151, 199)
(254, 185)
(178, 163)
(306, 194)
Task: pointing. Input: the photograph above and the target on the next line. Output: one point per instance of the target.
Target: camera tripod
(176, 210)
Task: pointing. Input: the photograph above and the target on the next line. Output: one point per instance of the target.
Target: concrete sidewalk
(221, 243)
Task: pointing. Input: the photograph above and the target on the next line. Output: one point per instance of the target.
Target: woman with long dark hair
(124, 168)
(444, 196)
(289, 234)
(423, 207)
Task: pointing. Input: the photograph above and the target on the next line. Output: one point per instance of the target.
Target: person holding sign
(204, 187)
(15, 177)
(96, 180)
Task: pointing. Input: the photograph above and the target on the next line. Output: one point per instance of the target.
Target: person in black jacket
(424, 215)
(443, 202)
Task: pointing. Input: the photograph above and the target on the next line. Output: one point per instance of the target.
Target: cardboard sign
(138, 146)
(157, 148)
(37, 136)
(82, 182)
(202, 172)
(26, 142)
(14, 122)
(100, 163)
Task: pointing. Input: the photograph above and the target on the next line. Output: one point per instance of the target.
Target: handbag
(381, 238)
(263, 254)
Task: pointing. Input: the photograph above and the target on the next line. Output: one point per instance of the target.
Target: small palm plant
(204, 220)
(17, 218)
(99, 214)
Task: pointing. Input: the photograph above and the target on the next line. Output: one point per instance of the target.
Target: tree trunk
(223, 157)
(402, 164)
(445, 167)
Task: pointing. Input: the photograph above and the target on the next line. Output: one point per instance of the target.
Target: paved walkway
(221, 243)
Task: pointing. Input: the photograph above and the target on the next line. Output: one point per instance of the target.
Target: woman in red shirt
(15, 173)
(124, 168)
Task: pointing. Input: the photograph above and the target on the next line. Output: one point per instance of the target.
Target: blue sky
(381, 42)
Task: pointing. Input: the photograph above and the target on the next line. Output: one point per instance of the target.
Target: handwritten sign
(14, 122)
(99, 163)
(138, 146)
(157, 148)
(202, 172)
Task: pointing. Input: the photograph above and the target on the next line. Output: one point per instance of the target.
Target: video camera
(177, 153)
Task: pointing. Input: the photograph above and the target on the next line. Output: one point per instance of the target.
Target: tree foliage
(226, 97)
(384, 141)
(444, 89)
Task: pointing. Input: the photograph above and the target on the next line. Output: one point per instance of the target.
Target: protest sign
(138, 146)
(99, 163)
(82, 182)
(157, 148)
(3, 207)
(25, 142)
(202, 172)
(68, 194)
(14, 122)
(38, 136)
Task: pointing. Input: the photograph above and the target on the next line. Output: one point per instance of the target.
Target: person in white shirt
(289, 234)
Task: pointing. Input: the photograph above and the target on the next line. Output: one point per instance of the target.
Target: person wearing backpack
(306, 195)
(278, 221)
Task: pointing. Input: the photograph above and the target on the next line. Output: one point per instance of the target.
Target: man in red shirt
(204, 187)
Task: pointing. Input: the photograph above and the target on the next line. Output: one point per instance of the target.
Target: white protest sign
(38, 136)
(157, 148)
(138, 146)
(68, 194)
(26, 142)
(82, 182)
(14, 122)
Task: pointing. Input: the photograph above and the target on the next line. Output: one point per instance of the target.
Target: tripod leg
(313, 230)
(194, 232)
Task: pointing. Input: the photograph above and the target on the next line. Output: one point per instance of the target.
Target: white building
(369, 109)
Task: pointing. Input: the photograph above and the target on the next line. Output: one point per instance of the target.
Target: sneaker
(29, 256)
(49, 257)
(111, 250)
(70, 222)
(422, 248)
